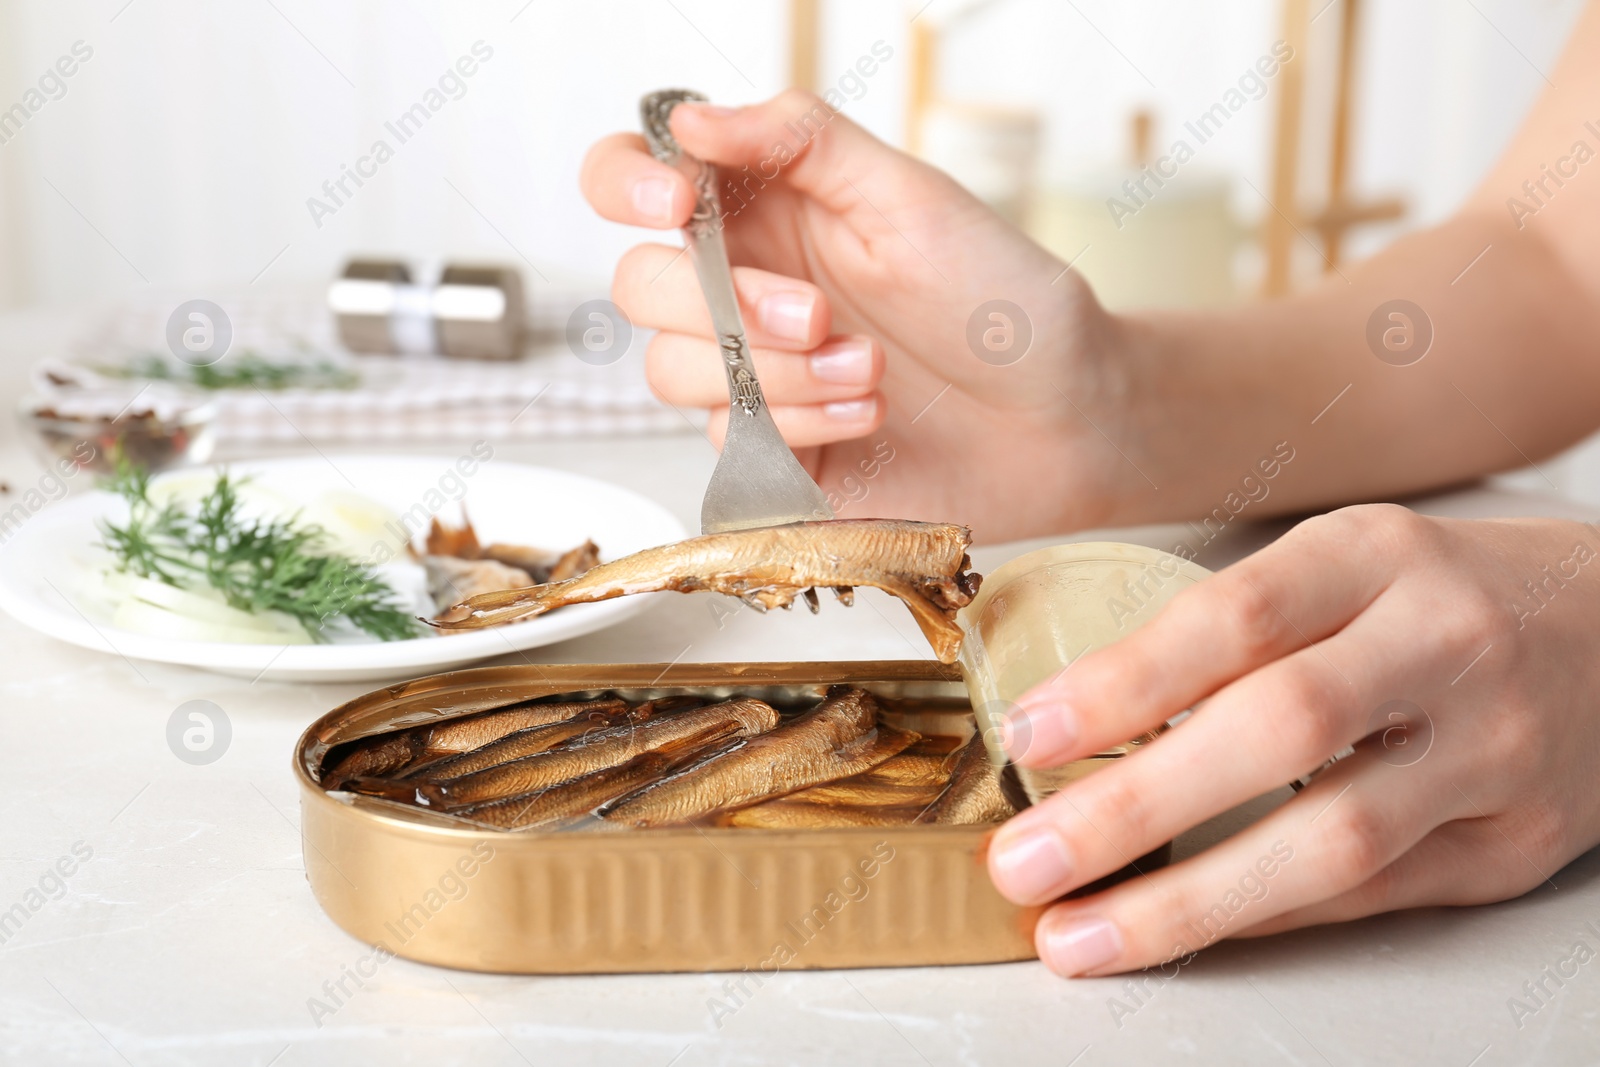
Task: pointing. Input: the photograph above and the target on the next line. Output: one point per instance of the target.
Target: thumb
(814, 147)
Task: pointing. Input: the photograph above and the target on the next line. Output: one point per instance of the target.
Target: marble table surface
(177, 927)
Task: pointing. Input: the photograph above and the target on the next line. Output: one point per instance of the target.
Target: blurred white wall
(193, 138)
(194, 135)
(182, 153)
(1444, 84)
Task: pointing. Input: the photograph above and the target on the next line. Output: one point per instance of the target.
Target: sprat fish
(924, 564)
(390, 754)
(583, 796)
(734, 718)
(838, 738)
(973, 795)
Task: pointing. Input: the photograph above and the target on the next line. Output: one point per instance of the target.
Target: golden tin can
(430, 889)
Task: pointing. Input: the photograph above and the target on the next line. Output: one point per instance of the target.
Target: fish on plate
(460, 568)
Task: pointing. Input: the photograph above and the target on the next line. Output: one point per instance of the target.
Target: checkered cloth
(426, 398)
(551, 393)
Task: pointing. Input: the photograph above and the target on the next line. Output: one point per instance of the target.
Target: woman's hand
(858, 269)
(1462, 659)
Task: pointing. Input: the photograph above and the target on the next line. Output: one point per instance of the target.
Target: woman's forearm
(1495, 363)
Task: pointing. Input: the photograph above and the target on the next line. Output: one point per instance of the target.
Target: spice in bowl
(155, 431)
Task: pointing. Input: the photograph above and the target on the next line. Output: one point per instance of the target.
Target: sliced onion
(142, 617)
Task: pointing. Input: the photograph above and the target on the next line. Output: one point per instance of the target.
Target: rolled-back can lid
(1036, 615)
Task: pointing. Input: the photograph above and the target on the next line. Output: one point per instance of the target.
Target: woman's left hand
(1461, 658)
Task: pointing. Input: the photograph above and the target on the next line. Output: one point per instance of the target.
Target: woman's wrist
(1207, 424)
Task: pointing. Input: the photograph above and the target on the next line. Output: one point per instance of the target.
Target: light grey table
(190, 936)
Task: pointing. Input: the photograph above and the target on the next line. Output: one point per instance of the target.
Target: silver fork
(757, 481)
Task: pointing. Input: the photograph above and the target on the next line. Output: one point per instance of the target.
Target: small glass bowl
(154, 429)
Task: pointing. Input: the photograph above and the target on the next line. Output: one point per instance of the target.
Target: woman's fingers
(803, 426)
(625, 183)
(1298, 590)
(656, 287)
(1256, 733)
(821, 389)
(1265, 730)
(794, 134)
(797, 136)
(688, 371)
(1468, 861)
(1352, 822)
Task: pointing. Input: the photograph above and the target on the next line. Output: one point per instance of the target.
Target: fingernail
(845, 363)
(1075, 947)
(1031, 866)
(1040, 732)
(786, 315)
(652, 198)
(851, 410)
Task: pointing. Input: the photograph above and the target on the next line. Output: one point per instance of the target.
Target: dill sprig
(257, 565)
(246, 369)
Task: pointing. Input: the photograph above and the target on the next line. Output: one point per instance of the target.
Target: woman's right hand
(861, 272)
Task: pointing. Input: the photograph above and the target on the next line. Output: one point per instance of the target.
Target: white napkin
(551, 393)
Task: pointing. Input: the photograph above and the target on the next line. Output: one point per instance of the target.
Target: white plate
(507, 502)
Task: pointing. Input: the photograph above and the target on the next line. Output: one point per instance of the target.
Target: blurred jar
(1143, 244)
(991, 150)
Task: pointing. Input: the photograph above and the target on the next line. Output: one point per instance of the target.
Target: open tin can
(695, 898)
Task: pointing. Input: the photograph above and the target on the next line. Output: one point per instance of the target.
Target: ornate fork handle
(703, 234)
(757, 480)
